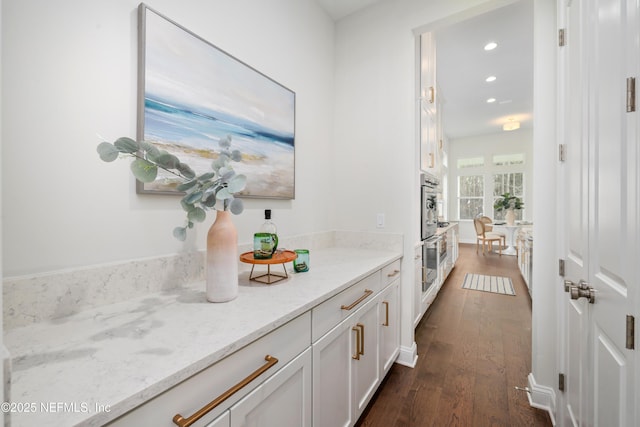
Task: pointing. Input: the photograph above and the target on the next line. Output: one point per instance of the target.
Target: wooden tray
(280, 257)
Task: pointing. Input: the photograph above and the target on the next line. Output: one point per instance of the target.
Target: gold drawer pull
(367, 292)
(394, 273)
(361, 326)
(186, 422)
(386, 309)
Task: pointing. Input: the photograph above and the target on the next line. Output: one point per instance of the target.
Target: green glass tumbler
(264, 245)
(301, 263)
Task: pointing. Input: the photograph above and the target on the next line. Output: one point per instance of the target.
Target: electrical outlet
(380, 220)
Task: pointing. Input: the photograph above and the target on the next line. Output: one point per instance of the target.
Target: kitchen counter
(89, 368)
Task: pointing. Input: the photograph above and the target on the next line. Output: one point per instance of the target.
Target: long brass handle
(386, 309)
(432, 94)
(361, 326)
(393, 273)
(367, 292)
(186, 422)
(358, 339)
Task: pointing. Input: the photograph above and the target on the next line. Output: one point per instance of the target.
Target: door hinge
(562, 39)
(561, 267)
(561, 382)
(631, 332)
(562, 152)
(631, 94)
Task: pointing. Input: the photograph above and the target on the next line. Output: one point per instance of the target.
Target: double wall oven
(434, 249)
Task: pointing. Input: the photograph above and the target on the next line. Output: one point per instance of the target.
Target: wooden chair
(485, 237)
(488, 227)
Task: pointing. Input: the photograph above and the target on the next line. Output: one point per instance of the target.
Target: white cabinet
(284, 400)
(346, 368)
(242, 371)
(223, 420)
(350, 359)
(389, 326)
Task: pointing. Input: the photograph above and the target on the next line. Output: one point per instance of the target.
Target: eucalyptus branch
(201, 192)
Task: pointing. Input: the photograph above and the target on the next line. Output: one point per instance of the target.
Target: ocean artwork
(194, 94)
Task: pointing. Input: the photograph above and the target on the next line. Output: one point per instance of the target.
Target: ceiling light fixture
(511, 125)
(490, 79)
(490, 46)
(490, 100)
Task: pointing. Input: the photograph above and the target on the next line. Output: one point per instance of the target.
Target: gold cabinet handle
(432, 94)
(393, 273)
(361, 326)
(358, 339)
(386, 309)
(186, 422)
(367, 292)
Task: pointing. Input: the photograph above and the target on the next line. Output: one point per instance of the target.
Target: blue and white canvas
(195, 94)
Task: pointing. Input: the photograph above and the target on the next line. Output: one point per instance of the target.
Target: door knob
(583, 290)
(567, 285)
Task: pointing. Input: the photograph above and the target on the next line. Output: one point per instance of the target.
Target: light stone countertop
(91, 367)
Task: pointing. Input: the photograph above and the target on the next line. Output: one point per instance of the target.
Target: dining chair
(488, 227)
(486, 237)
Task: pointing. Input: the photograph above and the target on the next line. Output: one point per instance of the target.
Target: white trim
(408, 356)
(542, 397)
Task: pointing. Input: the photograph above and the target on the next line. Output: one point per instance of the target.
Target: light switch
(380, 220)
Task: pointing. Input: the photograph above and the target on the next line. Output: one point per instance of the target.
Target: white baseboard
(408, 356)
(542, 397)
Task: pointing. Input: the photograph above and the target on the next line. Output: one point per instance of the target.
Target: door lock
(583, 290)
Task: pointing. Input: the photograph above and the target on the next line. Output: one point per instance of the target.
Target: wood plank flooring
(473, 349)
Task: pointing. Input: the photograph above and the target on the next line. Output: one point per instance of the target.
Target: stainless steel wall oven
(428, 205)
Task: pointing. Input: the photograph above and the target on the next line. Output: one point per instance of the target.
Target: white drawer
(390, 273)
(284, 343)
(331, 312)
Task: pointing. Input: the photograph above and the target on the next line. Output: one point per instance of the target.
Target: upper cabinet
(430, 119)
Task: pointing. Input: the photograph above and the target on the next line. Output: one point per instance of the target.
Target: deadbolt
(583, 290)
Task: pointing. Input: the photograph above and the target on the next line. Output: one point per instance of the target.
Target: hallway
(473, 348)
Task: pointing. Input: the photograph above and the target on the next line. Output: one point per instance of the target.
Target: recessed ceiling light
(490, 79)
(490, 100)
(490, 46)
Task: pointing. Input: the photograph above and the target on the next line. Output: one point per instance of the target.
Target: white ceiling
(463, 65)
(338, 9)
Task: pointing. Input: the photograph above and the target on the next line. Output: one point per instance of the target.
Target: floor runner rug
(495, 284)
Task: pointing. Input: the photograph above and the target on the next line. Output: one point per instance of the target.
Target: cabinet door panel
(284, 400)
(332, 377)
(389, 326)
(366, 370)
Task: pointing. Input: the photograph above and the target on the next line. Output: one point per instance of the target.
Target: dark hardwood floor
(473, 349)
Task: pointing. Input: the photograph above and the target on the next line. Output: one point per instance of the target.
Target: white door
(600, 212)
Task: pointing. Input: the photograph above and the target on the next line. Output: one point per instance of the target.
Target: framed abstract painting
(192, 94)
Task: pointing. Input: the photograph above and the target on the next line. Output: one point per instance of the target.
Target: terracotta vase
(222, 259)
(510, 217)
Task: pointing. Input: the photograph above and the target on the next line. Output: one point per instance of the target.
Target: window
(508, 159)
(470, 196)
(473, 162)
(511, 183)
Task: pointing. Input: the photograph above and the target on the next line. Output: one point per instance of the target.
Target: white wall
(69, 73)
(513, 142)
